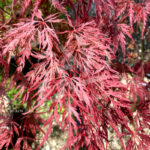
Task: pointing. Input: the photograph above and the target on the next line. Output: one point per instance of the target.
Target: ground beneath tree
(56, 139)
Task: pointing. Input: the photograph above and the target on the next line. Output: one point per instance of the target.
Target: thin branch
(4, 11)
(142, 57)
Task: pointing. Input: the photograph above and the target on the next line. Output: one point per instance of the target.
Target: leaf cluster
(91, 66)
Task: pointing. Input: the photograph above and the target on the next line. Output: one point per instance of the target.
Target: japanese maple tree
(84, 53)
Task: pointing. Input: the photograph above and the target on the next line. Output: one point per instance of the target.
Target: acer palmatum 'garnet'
(83, 49)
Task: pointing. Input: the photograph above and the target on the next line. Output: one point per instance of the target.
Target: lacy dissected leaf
(75, 73)
(142, 11)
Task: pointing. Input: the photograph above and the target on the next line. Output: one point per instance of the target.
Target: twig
(5, 11)
(142, 57)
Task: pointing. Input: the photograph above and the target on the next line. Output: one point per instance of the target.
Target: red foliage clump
(78, 41)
